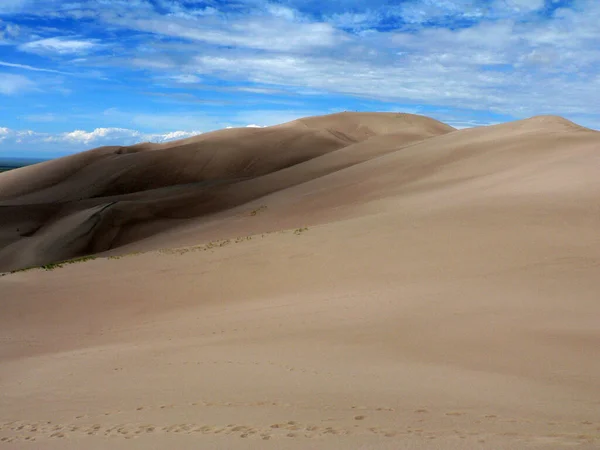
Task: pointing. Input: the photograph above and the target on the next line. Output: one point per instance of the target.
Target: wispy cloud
(10, 6)
(27, 67)
(44, 118)
(476, 65)
(18, 142)
(112, 135)
(8, 32)
(60, 45)
(273, 34)
(11, 84)
(186, 78)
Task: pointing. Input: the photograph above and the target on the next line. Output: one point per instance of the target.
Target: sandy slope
(106, 194)
(444, 295)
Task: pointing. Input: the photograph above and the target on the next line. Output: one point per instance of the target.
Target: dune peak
(552, 123)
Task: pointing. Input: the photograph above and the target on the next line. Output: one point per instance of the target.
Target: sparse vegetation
(299, 231)
(126, 254)
(51, 266)
(56, 265)
(258, 210)
(224, 242)
(166, 251)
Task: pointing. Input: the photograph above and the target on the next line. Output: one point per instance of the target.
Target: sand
(389, 283)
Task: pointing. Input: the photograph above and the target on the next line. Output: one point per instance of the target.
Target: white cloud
(265, 33)
(122, 136)
(27, 67)
(355, 21)
(95, 135)
(430, 10)
(520, 5)
(500, 65)
(282, 11)
(8, 136)
(258, 90)
(172, 136)
(4, 132)
(510, 61)
(11, 84)
(424, 11)
(21, 142)
(8, 31)
(60, 45)
(186, 78)
(10, 6)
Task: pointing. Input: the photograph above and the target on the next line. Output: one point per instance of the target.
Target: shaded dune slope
(83, 203)
(309, 171)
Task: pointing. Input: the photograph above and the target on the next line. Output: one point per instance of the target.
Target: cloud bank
(79, 140)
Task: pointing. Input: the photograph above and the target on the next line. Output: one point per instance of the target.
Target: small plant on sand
(82, 259)
(258, 210)
(299, 231)
(58, 265)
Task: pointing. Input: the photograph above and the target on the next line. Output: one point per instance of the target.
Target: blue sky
(80, 74)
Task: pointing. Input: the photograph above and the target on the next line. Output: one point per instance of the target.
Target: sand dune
(121, 187)
(346, 281)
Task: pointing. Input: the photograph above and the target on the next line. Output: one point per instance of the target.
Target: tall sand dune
(123, 187)
(346, 281)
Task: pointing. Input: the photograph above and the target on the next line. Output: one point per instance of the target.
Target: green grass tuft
(56, 265)
(168, 251)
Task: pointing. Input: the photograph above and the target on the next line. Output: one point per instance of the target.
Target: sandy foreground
(444, 296)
